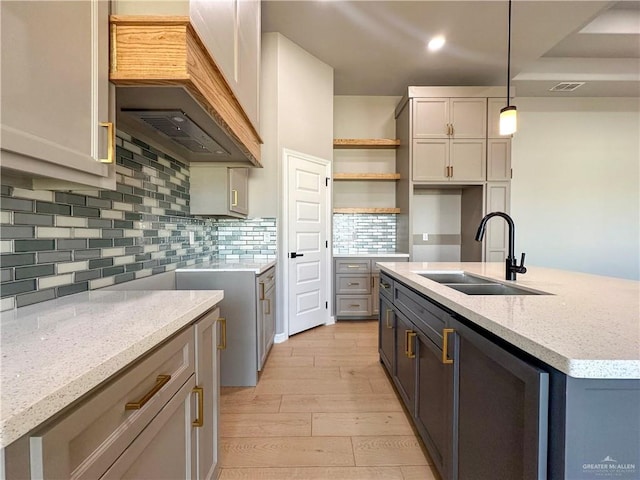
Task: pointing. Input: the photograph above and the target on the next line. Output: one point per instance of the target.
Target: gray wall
(575, 194)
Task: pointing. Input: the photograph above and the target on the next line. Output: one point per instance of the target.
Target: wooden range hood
(160, 63)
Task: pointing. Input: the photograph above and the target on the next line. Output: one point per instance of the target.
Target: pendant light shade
(508, 120)
(509, 114)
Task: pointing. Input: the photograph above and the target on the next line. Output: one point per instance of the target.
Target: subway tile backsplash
(364, 233)
(58, 243)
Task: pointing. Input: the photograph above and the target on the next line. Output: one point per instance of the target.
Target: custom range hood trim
(165, 51)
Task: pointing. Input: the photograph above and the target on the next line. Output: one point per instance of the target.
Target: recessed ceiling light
(436, 43)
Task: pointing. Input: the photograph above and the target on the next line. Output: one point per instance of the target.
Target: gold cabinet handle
(451, 174)
(268, 309)
(353, 266)
(351, 284)
(384, 285)
(234, 194)
(261, 290)
(445, 345)
(354, 305)
(199, 422)
(161, 381)
(388, 322)
(452, 131)
(406, 342)
(410, 352)
(110, 141)
(223, 334)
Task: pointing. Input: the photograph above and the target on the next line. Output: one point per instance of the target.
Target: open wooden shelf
(366, 176)
(366, 210)
(366, 143)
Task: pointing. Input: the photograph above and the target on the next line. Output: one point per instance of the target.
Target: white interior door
(307, 241)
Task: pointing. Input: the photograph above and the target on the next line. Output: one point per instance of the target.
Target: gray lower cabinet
(502, 411)
(356, 286)
(157, 419)
(481, 410)
(248, 311)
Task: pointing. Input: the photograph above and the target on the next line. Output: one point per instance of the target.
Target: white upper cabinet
(56, 96)
(449, 118)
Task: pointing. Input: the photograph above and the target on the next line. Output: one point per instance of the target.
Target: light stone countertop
(589, 327)
(54, 352)
(249, 265)
(371, 255)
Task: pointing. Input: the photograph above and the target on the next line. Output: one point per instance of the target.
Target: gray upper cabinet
(219, 191)
(57, 115)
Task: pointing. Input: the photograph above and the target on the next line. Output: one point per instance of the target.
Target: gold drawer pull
(353, 266)
(161, 381)
(268, 309)
(354, 305)
(234, 202)
(199, 422)
(410, 352)
(110, 142)
(385, 285)
(223, 334)
(351, 284)
(261, 290)
(445, 345)
(388, 323)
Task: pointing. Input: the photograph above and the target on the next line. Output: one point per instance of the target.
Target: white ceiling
(378, 47)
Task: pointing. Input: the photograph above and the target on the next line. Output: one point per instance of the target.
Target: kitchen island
(553, 375)
(58, 355)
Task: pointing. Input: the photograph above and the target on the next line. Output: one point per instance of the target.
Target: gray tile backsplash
(59, 243)
(364, 233)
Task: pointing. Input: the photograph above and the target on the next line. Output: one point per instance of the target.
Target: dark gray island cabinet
(486, 409)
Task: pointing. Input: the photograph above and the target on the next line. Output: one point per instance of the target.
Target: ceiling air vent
(176, 125)
(566, 86)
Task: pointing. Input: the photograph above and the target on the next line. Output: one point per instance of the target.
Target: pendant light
(508, 114)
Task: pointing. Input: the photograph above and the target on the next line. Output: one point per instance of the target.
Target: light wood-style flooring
(324, 409)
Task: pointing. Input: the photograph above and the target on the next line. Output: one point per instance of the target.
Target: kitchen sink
(453, 277)
(492, 289)
(472, 285)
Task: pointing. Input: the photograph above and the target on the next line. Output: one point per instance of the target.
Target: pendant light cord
(509, 56)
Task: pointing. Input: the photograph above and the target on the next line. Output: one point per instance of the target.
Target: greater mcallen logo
(609, 467)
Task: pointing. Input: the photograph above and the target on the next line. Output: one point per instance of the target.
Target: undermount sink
(472, 285)
(491, 289)
(453, 277)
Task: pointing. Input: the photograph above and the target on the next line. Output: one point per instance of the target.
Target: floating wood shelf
(366, 176)
(366, 210)
(366, 143)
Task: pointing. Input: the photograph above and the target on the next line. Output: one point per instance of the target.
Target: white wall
(296, 113)
(576, 178)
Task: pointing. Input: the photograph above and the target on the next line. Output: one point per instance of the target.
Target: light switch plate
(425, 237)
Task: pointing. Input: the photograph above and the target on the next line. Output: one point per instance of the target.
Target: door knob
(294, 255)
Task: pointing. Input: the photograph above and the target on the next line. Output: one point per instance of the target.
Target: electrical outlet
(192, 238)
(425, 237)
(267, 237)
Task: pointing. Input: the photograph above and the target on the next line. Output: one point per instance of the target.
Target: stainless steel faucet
(511, 266)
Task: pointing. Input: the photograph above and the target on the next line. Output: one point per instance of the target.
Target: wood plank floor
(324, 409)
